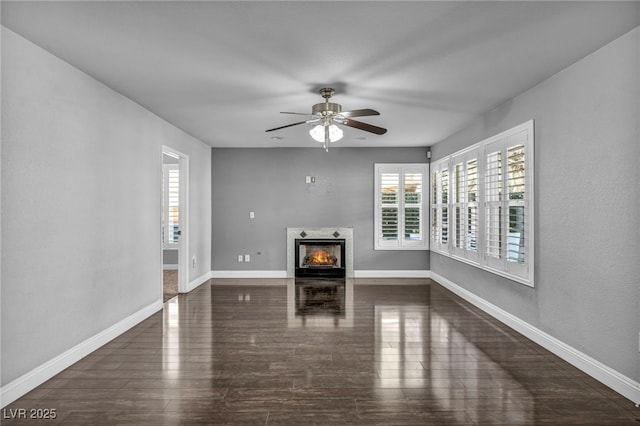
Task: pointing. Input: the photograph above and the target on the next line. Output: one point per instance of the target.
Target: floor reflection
(267, 352)
(400, 345)
(435, 353)
(320, 302)
(171, 333)
(320, 297)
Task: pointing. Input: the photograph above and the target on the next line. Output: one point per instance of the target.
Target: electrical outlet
(240, 258)
(247, 258)
(252, 215)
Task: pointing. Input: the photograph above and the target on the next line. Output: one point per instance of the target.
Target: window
(440, 206)
(170, 205)
(464, 206)
(482, 204)
(400, 206)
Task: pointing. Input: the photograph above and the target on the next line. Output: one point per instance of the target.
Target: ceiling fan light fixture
(318, 133)
(327, 113)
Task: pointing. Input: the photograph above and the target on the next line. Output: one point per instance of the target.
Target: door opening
(174, 222)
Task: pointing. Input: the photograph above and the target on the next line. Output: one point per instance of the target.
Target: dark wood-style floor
(320, 354)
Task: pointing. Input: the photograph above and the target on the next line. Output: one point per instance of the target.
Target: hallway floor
(328, 354)
(169, 284)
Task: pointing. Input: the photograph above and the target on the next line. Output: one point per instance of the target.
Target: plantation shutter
(440, 208)
(507, 199)
(464, 205)
(517, 208)
(472, 213)
(413, 206)
(390, 201)
(493, 179)
(482, 206)
(170, 205)
(458, 211)
(400, 206)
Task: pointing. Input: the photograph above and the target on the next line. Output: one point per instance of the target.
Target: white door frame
(183, 201)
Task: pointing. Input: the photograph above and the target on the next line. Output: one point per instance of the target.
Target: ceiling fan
(325, 115)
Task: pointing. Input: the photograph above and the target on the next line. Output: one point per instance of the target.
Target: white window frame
(401, 243)
(491, 254)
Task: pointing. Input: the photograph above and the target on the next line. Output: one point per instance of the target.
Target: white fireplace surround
(312, 233)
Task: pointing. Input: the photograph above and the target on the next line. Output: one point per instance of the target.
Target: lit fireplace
(320, 258)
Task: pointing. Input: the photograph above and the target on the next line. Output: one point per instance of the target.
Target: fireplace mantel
(311, 233)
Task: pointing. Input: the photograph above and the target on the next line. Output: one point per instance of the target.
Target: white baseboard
(391, 274)
(618, 382)
(192, 285)
(357, 274)
(27, 382)
(248, 274)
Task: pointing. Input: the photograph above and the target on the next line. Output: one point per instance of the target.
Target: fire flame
(320, 257)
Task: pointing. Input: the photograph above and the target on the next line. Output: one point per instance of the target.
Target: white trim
(170, 267)
(27, 382)
(392, 274)
(357, 274)
(620, 383)
(248, 274)
(256, 282)
(199, 281)
(184, 252)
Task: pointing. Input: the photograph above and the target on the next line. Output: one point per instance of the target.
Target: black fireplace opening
(321, 258)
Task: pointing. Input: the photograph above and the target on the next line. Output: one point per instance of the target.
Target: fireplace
(320, 258)
(337, 262)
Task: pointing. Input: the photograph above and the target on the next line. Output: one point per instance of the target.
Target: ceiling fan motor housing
(326, 108)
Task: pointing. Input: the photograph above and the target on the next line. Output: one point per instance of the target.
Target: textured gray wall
(170, 257)
(81, 170)
(587, 147)
(271, 182)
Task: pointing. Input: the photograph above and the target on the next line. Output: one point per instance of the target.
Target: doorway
(174, 223)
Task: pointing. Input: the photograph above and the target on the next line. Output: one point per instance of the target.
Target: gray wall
(587, 147)
(271, 182)
(170, 257)
(81, 200)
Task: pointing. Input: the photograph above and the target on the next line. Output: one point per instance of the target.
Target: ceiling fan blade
(359, 113)
(296, 113)
(288, 125)
(364, 126)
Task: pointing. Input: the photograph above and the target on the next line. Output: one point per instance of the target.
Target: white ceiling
(222, 71)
